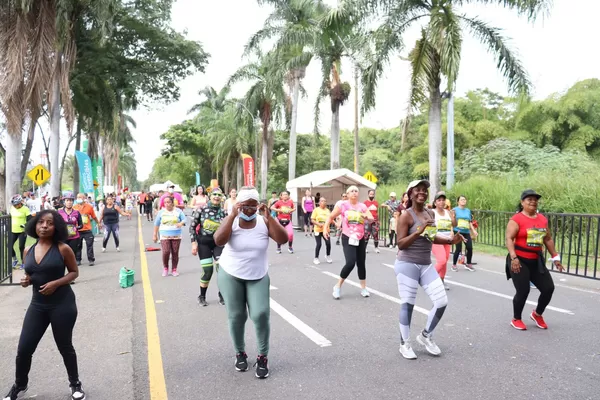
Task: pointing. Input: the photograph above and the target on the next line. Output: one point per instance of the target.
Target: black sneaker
(77, 392)
(221, 300)
(241, 362)
(262, 370)
(202, 301)
(15, 393)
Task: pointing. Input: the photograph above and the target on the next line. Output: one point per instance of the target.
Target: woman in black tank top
(53, 301)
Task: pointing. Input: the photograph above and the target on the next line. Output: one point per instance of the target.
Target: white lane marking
(271, 287)
(505, 296)
(377, 292)
(306, 330)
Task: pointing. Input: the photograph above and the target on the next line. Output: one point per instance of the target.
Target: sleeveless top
(443, 223)
(110, 216)
(309, 204)
(72, 221)
(51, 268)
(200, 201)
(245, 254)
(420, 251)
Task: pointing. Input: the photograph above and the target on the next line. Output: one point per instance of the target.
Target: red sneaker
(518, 324)
(539, 320)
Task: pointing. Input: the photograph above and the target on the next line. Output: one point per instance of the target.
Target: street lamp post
(449, 140)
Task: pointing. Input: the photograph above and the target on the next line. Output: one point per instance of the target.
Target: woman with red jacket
(526, 235)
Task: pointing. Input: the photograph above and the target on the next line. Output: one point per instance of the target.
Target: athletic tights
(355, 256)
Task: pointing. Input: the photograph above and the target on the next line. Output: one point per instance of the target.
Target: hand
(475, 234)
(235, 210)
(457, 238)
(427, 222)
(48, 288)
(264, 209)
(25, 280)
(326, 234)
(180, 225)
(515, 266)
(559, 266)
(194, 249)
(155, 238)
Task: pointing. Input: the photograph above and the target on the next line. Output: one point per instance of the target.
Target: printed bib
(464, 224)
(210, 226)
(85, 219)
(535, 237)
(430, 232)
(285, 210)
(72, 231)
(444, 225)
(354, 217)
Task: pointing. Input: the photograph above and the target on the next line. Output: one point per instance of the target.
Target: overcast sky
(556, 51)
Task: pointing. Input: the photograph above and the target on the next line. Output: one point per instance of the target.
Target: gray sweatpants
(409, 276)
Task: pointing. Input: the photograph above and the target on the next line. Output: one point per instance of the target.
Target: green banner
(84, 146)
(98, 177)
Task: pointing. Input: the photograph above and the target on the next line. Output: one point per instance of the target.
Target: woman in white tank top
(443, 221)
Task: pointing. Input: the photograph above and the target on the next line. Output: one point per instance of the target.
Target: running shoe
(165, 272)
(77, 392)
(377, 250)
(175, 273)
(241, 362)
(15, 262)
(407, 351)
(364, 293)
(518, 324)
(539, 320)
(92, 263)
(278, 251)
(291, 250)
(329, 260)
(454, 268)
(262, 370)
(446, 287)
(118, 250)
(469, 267)
(316, 261)
(104, 249)
(15, 393)
(336, 292)
(202, 301)
(429, 344)
(221, 300)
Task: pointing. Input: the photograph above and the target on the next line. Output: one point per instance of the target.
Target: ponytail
(409, 202)
(519, 208)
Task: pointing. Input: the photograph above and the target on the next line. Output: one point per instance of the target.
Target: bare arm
(404, 239)
(511, 233)
(276, 231)
(121, 211)
(222, 235)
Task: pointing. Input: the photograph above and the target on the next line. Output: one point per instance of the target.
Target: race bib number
(210, 225)
(464, 224)
(430, 232)
(355, 218)
(444, 225)
(353, 242)
(85, 219)
(71, 230)
(535, 237)
(169, 220)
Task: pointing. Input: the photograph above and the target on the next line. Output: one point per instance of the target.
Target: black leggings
(318, 238)
(355, 255)
(62, 317)
(543, 281)
(22, 238)
(458, 249)
(142, 208)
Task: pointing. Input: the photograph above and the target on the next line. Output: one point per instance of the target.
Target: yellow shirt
(19, 217)
(320, 215)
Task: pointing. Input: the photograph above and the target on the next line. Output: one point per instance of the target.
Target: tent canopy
(163, 186)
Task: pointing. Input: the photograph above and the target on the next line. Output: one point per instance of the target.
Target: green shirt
(19, 217)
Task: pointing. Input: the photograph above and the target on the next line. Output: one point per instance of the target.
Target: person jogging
(19, 214)
(169, 222)
(205, 222)
(319, 218)
(416, 233)
(372, 227)
(109, 219)
(86, 210)
(73, 220)
(285, 208)
(52, 303)
(243, 276)
(527, 234)
(308, 206)
(462, 219)
(443, 223)
(353, 215)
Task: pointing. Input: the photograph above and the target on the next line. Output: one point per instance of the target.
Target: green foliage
(177, 168)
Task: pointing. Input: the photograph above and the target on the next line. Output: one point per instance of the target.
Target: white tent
(164, 186)
(329, 184)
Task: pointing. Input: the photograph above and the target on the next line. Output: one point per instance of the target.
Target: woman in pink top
(353, 215)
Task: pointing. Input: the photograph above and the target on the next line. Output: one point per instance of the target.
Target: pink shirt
(353, 222)
(176, 196)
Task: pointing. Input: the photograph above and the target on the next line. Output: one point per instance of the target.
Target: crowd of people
(231, 236)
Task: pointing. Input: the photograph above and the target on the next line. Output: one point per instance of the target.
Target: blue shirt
(463, 220)
(167, 223)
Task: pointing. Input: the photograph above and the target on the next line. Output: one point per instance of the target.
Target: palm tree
(436, 55)
(264, 100)
(295, 26)
(214, 101)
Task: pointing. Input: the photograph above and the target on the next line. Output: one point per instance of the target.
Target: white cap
(393, 194)
(416, 183)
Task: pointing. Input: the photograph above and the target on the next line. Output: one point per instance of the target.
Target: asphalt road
(320, 348)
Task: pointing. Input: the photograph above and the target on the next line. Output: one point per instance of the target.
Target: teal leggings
(243, 297)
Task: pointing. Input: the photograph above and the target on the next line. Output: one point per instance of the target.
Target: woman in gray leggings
(243, 275)
(416, 232)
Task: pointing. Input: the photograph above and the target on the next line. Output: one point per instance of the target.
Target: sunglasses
(250, 208)
(217, 195)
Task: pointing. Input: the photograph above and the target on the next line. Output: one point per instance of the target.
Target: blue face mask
(78, 201)
(248, 218)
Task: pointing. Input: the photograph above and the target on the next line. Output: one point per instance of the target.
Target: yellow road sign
(370, 177)
(39, 175)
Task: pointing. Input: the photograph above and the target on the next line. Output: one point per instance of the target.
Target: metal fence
(5, 251)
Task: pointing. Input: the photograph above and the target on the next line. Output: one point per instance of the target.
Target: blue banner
(197, 179)
(85, 172)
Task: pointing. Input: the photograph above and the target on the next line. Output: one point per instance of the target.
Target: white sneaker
(407, 351)
(316, 261)
(104, 250)
(377, 250)
(336, 292)
(118, 250)
(364, 293)
(429, 344)
(329, 260)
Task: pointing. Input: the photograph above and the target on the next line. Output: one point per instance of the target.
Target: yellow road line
(156, 374)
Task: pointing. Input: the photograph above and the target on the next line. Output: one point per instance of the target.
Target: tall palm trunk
(435, 139)
(28, 147)
(226, 175)
(264, 159)
(77, 148)
(335, 137)
(356, 144)
(12, 165)
(240, 171)
(55, 131)
(292, 156)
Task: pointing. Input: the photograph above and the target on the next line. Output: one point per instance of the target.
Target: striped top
(167, 223)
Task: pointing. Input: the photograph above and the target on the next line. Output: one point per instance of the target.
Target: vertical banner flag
(197, 179)
(98, 177)
(248, 170)
(85, 171)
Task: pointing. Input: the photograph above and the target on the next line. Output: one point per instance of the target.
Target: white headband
(247, 194)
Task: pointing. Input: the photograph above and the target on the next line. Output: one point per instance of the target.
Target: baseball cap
(416, 183)
(439, 194)
(393, 194)
(530, 193)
